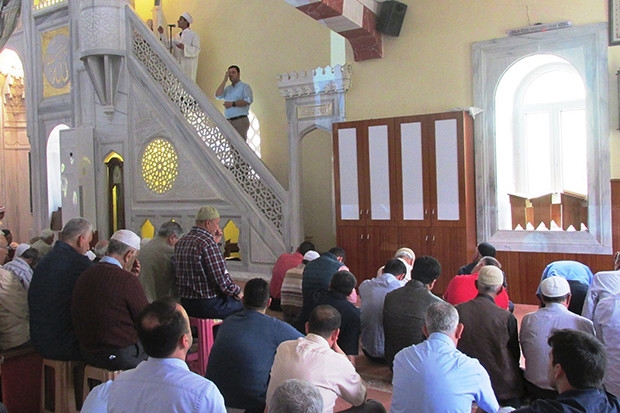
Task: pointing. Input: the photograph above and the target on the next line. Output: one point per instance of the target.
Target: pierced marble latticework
(205, 127)
(159, 165)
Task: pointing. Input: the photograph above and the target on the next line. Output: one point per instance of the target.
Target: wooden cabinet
(406, 181)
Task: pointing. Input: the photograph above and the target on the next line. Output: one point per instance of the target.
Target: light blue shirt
(111, 260)
(372, 294)
(240, 91)
(569, 270)
(434, 377)
(156, 386)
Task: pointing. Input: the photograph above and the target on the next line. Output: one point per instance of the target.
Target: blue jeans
(219, 307)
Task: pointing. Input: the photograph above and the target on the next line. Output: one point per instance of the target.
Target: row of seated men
(343, 283)
(392, 315)
(433, 376)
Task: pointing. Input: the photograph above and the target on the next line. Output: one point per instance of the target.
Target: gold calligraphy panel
(56, 63)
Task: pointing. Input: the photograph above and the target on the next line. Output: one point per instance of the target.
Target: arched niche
(314, 100)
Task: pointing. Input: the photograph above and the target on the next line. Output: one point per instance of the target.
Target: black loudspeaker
(391, 17)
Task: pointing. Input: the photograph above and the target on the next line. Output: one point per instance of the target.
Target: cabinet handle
(426, 211)
(367, 212)
(361, 212)
(361, 236)
(433, 211)
(433, 239)
(426, 239)
(367, 236)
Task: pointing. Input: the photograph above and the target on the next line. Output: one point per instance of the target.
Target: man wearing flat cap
(490, 335)
(484, 249)
(536, 327)
(106, 301)
(205, 286)
(186, 46)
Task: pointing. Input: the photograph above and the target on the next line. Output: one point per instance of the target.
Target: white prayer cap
(187, 17)
(21, 248)
(408, 252)
(311, 255)
(127, 237)
(554, 287)
(490, 275)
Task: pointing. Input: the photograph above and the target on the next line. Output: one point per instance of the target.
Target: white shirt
(535, 330)
(310, 358)
(602, 306)
(157, 386)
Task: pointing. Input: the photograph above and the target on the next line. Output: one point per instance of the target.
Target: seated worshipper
(284, 263)
(317, 358)
(14, 322)
(372, 294)
(490, 335)
(579, 277)
(106, 301)
(462, 288)
(4, 249)
(434, 376)
(296, 396)
(578, 363)
(318, 273)
(163, 383)
(8, 235)
(51, 288)
(484, 249)
(157, 274)
(101, 247)
(536, 328)
(204, 284)
(341, 285)
(45, 241)
(22, 265)
(291, 295)
(602, 306)
(242, 354)
(404, 308)
(407, 256)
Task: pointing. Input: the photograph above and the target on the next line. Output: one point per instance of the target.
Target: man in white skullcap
(186, 46)
(205, 286)
(536, 327)
(407, 256)
(44, 243)
(105, 304)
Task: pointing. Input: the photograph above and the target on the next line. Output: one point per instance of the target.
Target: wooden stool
(197, 360)
(63, 390)
(96, 376)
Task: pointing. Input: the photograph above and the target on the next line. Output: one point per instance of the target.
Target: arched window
(54, 170)
(541, 144)
(542, 141)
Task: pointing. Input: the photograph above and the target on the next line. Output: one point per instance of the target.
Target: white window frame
(585, 47)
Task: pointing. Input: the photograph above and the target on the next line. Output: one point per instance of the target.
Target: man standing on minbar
(237, 99)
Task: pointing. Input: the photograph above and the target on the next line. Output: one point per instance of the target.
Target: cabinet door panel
(412, 171)
(379, 170)
(447, 170)
(347, 171)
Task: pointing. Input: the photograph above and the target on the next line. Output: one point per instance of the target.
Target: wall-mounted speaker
(391, 17)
